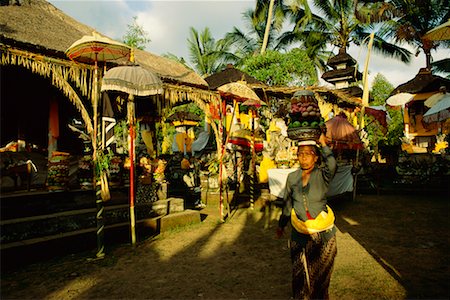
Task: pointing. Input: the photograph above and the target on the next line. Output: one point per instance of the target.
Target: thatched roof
(340, 97)
(231, 74)
(423, 82)
(39, 27)
(342, 57)
(347, 74)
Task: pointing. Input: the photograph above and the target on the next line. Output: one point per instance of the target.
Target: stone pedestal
(168, 206)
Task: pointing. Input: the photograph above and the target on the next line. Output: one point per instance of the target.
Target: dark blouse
(314, 191)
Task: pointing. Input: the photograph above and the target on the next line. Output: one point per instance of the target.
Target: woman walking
(313, 239)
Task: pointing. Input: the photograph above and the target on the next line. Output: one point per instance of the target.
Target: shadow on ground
(406, 234)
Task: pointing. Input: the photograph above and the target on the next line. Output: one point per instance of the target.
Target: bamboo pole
(131, 121)
(253, 163)
(365, 102)
(222, 154)
(97, 175)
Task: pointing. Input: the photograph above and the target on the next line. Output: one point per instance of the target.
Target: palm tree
(206, 54)
(176, 58)
(409, 20)
(338, 25)
(249, 43)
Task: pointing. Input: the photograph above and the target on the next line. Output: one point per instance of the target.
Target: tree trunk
(268, 24)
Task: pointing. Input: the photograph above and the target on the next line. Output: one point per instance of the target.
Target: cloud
(395, 71)
(167, 24)
(108, 17)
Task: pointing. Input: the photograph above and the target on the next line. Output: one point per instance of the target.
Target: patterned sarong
(312, 266)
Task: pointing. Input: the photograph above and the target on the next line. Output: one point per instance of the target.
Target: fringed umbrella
(342, 135)
(433, 99)
(96, 48)
(238, 91)
(136, 81)
(439, 33)
(379, 113)
(399, 99)
(439, 112)
(133, 80)
(93, 49)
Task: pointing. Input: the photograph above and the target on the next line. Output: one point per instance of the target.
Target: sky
(168, 22)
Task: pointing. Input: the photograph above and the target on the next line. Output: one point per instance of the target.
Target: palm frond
(442, 66)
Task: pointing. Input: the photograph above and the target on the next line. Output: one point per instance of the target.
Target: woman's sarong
(312, 266)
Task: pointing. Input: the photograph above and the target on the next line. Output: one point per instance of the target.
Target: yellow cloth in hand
(324, 221)
(265, 165)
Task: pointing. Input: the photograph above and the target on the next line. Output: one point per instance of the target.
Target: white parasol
(439, 112)
(399, 99)
(133, 80)
(136, 81)
(433, 99)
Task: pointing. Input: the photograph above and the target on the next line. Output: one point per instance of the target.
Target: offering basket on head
(304, 133)
(306, 122)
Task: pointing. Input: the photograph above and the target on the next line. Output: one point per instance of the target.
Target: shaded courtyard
(389, 247)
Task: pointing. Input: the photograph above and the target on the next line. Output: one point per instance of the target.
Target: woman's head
(307, 155)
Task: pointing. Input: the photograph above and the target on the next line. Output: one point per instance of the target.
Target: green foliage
(103, 161)
(166, 131)
(381, 89)
(121, 135)
(207, 55)
(274, 68)
(136, 36)
(380, 139)
(395, 129)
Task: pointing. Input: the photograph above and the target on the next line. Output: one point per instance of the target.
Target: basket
(304, 133)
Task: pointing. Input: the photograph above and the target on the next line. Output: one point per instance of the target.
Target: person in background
(313, 239)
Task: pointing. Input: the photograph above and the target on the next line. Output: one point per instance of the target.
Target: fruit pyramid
(304, 116)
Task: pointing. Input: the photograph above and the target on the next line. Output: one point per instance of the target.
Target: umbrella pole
(222, 154)
(132, 171)
(98, 198)
(253, 165)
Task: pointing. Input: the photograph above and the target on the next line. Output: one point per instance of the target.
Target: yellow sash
(324, 221)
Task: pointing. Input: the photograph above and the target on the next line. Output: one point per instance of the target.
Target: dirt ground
(389, 247)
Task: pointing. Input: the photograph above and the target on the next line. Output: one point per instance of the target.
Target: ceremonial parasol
(238, 91)
(399, 99)
(342, 134)
(379, 113)
(254, 103)
(439, 112)
(136, 81)
(94, 49)
(432, 100)
(133, 80)
(439, 33)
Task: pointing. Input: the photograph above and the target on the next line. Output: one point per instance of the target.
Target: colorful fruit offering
(305, 111)
(305, 118)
